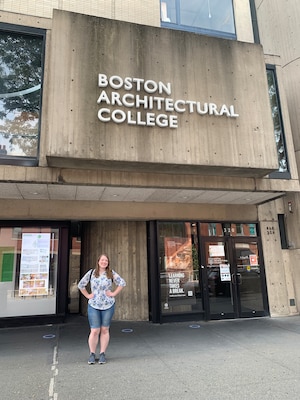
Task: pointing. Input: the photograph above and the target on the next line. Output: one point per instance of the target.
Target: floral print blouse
(99, 286)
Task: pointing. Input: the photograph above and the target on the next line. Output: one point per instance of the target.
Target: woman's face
(103, 262)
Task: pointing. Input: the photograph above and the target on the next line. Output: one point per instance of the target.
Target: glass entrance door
(219, 289)
(207, 271)
(234, 284)
(249, 278)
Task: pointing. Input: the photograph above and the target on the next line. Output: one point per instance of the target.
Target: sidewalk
(217, 360)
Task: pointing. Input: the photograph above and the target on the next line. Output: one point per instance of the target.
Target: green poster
(7, 267)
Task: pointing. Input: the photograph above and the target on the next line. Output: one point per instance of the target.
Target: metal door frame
(229, 243)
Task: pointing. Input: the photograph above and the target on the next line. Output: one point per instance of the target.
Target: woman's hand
(109, 293)
(86, 294)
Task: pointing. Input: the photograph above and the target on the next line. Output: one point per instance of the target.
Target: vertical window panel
(21, 71)
(277, 122)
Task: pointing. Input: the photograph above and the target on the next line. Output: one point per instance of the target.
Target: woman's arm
(83, 283)
(109, 293)
(86, 293)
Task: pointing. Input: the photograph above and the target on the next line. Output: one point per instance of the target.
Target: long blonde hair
(108, 270)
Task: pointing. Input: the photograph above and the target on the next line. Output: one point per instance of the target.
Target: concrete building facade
(165, 136)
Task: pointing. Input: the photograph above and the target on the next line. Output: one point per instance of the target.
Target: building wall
(90, 210)
(201, 143)
(280, 282)
(146, 12)
(126, 245)
(143, 12)
(243, 24)
(279, 32)
(291, 261)
(281, 266)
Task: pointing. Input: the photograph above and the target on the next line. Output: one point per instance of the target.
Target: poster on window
(225, 272)
(253, 259)
(216, 250)
(178, 266)
(34, 266)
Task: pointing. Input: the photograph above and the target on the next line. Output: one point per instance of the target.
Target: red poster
(253, 259)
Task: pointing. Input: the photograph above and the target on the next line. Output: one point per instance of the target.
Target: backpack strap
(91, 275)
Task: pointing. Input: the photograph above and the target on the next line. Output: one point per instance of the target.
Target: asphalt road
(233, 359)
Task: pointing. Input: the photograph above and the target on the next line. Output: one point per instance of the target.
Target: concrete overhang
(166, 168)
(21, 183)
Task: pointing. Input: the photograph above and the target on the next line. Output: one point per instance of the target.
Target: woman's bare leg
(104, 338)
(93, 339)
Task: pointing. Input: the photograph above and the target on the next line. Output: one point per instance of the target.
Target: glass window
(179, 268)
(211, 229)
(74, 273)
(278, 126)
(28, 270)
(211, 17)
(21, 70)
(282, 231)
(243, 230)
(239, 230)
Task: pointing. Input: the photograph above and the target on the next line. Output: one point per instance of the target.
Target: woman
(101, 304)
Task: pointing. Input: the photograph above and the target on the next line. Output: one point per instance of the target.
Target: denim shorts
(98, 318)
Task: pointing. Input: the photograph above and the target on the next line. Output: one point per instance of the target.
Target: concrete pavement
(232, 359)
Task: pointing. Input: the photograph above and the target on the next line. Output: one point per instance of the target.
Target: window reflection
(243, 230)
(28, 270)
(211, 229)
(203, 16)
(168, 11)
(278, 129)
(20, 93)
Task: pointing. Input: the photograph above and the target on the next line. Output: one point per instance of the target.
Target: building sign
(34, 266)
(156, 108)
